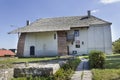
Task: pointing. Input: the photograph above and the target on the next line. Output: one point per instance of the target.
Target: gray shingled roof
(60, 23)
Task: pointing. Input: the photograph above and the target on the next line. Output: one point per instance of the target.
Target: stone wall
(33, 68)
(62, 43)
(20, 47)
(33, 71)
(6, 74)
(38, 69)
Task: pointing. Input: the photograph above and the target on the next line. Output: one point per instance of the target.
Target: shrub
(65, 72)
(97, 59)
(116, 46)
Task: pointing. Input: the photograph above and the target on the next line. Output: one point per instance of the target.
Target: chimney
(89, 13)
(27, 22)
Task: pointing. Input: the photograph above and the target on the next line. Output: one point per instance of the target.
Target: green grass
(111, 71)
(113, 62)
(8, 62)
(66, 71)
(106, 74)
(113, 56)
(13, 60)
(33, 78)
(86, 57)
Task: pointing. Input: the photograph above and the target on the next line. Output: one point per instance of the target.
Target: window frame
(76, 33)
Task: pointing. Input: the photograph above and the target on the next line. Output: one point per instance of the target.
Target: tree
(116, 46)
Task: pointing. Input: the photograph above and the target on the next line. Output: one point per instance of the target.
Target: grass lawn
(86, 57)
(106, 74)
(12, 60)
(8, 61)
(111, 71)
(113, 62)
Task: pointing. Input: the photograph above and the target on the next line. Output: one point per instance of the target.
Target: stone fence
(34, 69)
(27, 72)
(6, 74)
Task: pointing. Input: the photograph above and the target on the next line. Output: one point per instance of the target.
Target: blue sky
(14, 13)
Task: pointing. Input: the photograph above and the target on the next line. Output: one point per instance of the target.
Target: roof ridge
(101, 19)
(60, 23)
(61, 17)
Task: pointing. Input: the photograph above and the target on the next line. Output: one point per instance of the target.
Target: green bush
(65, 72)
(97, 59)
(116, 46)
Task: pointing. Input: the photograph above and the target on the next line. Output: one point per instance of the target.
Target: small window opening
(54, 36)
(77, 46)
(82, 42)
(76, 33)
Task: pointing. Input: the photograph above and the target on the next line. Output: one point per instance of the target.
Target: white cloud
(95, 11)
(109, 1)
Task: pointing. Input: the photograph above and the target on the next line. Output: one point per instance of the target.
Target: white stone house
(64, 36)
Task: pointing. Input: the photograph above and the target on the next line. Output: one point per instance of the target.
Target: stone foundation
(33, 71)
(37, 69)
(6, 74)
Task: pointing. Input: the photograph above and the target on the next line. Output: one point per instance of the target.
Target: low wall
(34, 69)
(23, 72)
(6, 74)
(37, 69)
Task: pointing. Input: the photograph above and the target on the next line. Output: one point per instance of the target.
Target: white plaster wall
(83, 36)
(96, 37)
(108, 39)
(91, 38)
(99, 38)
(44, 42)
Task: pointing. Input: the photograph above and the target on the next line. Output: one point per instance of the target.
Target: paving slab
(82, 72)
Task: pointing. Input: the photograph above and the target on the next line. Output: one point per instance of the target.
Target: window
(74, 52)
(77, 46)
(32, 50)
(76, 33)
(54, 36)
(82, 42)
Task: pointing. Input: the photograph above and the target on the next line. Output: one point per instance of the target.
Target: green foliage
(106, 74)
(85, 57)
(97, 59)
(71, 64)
(8, 62)
(111, 71)
(113, 61)
(65, 72)
(116, 46)
(22, 78)
(15, 60)
(34, 78)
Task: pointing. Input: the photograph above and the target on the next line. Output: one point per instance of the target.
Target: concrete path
(82, 72)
